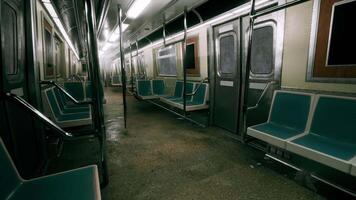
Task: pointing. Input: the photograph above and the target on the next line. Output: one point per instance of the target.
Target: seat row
(197, 95)
(82, 183)
(63, 111)
(196, 98)
(319, 127)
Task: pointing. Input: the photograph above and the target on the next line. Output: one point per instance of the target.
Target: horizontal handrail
(262, 95)
(37, 113)
(86, 102)
(196, 89)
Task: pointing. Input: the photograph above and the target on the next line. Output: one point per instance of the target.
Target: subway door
(227, 75)
(266, 63)
(17, 125)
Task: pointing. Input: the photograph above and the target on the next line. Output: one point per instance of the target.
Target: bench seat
(272, 133)
(197, 101)
(331, 139)
(82, 183)
(62, 117)
(287, 119)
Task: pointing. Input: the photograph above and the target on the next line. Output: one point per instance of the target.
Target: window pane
(343, 34)
(262, 51)
(190, 56)
(227, 55)
(9, 39)
(167, 63)
(49, 53)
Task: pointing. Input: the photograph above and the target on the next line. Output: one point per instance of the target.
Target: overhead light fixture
(52, 12)
(116, 34)
(137, 7)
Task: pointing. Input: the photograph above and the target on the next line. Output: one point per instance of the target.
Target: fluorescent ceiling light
(49, 7)
(116, 34)
(137, 7)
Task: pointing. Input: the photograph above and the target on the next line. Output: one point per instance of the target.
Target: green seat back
(9, 178)
(178, 90)
(335, 118)
(89, 90)
(158, 87)
(144, 88)
(199, 96)
(291, 110)
(53, 103)
(189, 88)
(75, 89)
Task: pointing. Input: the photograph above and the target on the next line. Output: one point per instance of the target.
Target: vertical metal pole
(184, 63)
(123, 71)
(131, 66)
(137, 59)
(97, 87)
(248, 68)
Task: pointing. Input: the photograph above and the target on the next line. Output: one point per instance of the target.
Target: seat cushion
(328, 146)
(71, 185)
(324, 150)
(273, 133)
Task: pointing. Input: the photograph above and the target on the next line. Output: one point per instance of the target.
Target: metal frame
(312, 47)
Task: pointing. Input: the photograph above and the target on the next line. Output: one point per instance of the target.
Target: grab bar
(38, 114)
(66, 93)
(262, 95)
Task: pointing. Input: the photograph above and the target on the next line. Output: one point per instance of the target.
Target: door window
(227, 55)
(9, 39)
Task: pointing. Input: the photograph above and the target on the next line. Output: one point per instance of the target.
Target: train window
(342, 35)
(192, 56)
(141, 66)
(227, 54)
(167, 61)
(9, 39)
(334, 36)
(262, 51)
(48, 47)
(58, 54)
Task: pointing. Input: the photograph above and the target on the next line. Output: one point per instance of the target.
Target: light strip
(116, 34)
(50, 9)
(226, 15)
(137, 7)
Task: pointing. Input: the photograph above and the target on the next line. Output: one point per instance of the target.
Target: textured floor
(162, 157)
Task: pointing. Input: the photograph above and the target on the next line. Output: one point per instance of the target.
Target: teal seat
(198, 98)
(331, 139)
(189, 88)
(75, 89)
(158, 87)
(69, 108)
(196, 101)
(144, 88)
(64, 119)
(288, 118)
(75, 184)
(178, 91)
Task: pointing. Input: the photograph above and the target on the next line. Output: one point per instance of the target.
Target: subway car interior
(177, 99)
